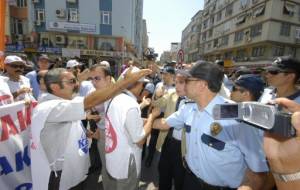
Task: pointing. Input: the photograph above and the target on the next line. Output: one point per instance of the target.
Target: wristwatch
(287, 177)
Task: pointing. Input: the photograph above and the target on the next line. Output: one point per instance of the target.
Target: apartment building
(250, 31)
(190, 39)
(91, 30)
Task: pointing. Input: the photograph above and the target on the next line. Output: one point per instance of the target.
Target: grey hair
(53, 76)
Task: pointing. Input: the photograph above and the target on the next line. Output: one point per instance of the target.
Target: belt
(201, 182)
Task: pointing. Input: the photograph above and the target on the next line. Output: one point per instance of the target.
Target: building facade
(97, 29)
(171, 55)
(250, 30)
(190, 39)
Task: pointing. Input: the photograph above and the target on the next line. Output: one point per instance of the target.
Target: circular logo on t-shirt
(110, 137)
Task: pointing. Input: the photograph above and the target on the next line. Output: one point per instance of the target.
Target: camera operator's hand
(283, 154)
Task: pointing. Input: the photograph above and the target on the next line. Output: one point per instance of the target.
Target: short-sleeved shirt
(219, 160)
(14, 86)
(32, 76)
(270, 94)
(5, 94)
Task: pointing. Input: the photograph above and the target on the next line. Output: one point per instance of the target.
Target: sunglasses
(190, 79)
(96, 78)
(234, 89)
(17, 66)
(70, 81)
(276, 72)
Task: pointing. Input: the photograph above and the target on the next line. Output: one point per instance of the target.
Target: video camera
(150, 54)
(267, 117)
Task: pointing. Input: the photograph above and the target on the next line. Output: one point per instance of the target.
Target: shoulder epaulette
(189, 102)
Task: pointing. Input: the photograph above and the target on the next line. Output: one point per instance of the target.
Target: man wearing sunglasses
(282, 77)
(218, 153)
(59, 150)
(18, 84)
(247, 88)
(100, 76)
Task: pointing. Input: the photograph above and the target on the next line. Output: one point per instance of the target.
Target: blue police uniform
(219, 160)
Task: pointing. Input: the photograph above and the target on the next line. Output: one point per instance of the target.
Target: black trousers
(191, 182)
(152, 143)
(54, 182)
(170, 165)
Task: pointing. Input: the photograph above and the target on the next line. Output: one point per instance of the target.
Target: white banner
(15, 162)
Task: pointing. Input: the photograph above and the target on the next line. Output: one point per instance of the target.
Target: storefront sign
(82, 28)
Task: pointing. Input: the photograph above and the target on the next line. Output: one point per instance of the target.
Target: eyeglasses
(17, 66)
(234, 89)
(70, 81)
(96, 78)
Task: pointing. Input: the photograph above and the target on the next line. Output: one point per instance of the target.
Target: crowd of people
(86, 117)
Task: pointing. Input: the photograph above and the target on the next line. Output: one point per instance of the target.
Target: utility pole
(2, 32)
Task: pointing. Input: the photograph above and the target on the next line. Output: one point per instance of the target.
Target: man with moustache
(59, 149)
(18, 84)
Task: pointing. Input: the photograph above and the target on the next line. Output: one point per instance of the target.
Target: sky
(166, 20)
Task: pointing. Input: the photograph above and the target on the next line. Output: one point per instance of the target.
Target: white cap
(13, 59)
(134, 70)
(72, 63)
(105, 63)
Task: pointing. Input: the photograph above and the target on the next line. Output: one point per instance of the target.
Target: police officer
(247, 88)
(282, 77)
(220, 154)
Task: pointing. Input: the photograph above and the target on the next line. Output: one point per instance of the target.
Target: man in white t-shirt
(101, 76)
(18, 84)
(125, 136)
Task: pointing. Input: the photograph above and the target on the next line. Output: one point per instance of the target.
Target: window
(285, 29)
(216, 43)
(258, 51)
(288, 9)
(212, 20)
(259, 11)
(292, 51)
(241, 19)
(241, 54)
(209, 46)
(278, 51)
(105, 17)
(239, 36)
(219, 16)
(194, 28)
(224, 40)
(39, 14)
(205, 24)
(73, 15)
(229, 10)
(17, 26)
(210, 33)
(204, 36)
(256, 30)
(21, 3)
